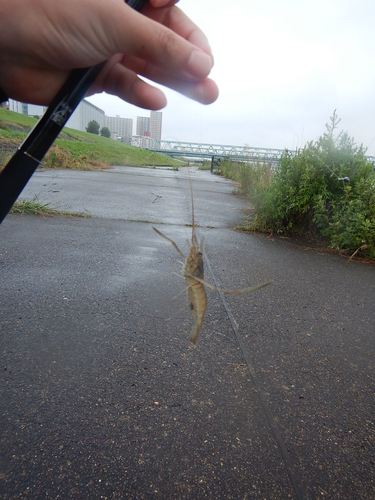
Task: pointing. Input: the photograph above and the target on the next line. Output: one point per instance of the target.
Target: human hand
(43, 40)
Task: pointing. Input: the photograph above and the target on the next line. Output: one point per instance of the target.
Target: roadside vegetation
(34, 207)
(205, 165)
(324, 191)
(76, 150)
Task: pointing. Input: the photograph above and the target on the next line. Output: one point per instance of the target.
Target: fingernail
(200, 64)
(199, 39)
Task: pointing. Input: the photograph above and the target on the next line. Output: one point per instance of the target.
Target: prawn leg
(236, 292)
(170, 241)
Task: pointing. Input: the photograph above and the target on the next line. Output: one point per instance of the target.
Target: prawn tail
(198, 300)
(195, 330)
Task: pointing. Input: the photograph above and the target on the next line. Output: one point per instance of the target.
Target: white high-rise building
(122, 127)
(143, 125)
(156, 118)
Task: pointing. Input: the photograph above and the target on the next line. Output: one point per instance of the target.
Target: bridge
(239, 153)
(199, 150)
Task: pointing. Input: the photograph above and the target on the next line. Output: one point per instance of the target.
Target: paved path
(101, 395)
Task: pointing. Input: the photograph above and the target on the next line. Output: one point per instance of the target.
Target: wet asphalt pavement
(101, 394)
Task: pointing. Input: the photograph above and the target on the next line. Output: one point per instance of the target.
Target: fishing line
(272, 421)
(372, 140)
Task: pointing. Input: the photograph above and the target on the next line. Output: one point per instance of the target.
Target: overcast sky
(282, 67)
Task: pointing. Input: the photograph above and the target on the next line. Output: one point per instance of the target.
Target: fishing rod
(18, 171)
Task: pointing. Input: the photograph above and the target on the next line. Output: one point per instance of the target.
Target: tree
(93, 127)
(105, 132)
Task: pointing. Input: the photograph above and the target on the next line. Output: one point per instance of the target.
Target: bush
(105, 132)
(93, 127)
(306, 195)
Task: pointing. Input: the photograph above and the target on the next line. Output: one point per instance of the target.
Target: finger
(124, 83)
(156, 44)
(204, 91)
(175, 19)
(162, 3)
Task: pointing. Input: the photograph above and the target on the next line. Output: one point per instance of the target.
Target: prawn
(193, 274)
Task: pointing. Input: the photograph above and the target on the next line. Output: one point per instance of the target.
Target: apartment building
(121, 127)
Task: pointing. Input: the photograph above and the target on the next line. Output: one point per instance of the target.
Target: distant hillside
(74, 149)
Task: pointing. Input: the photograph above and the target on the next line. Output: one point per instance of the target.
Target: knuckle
(168, 47)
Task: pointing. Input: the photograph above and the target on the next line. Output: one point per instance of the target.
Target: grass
(251, 177)
(206, 165)
(145, 221)
(34, 207)
(10, 118)
(77, 150)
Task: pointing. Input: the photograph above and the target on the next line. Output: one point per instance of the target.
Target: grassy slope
(74, 149)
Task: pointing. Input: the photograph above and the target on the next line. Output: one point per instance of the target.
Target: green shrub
(105, 132)
(93, 127)
(306, 195)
